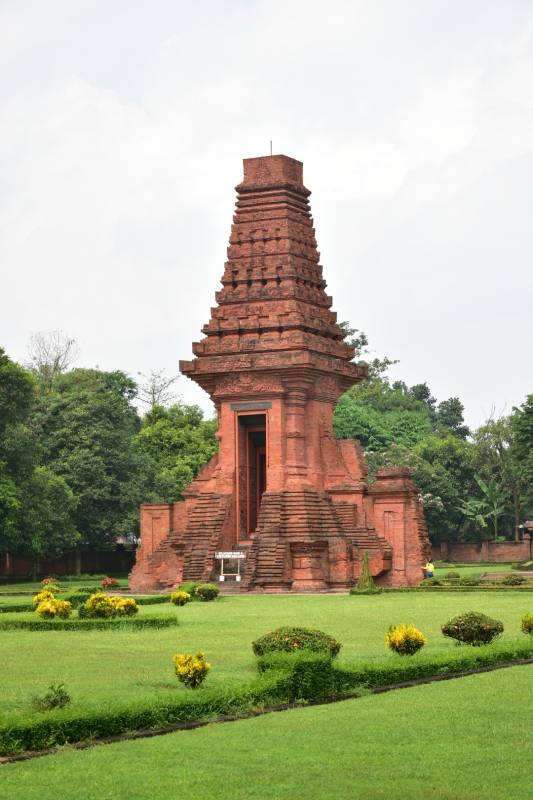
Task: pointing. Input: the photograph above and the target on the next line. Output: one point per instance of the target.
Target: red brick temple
(282, 490)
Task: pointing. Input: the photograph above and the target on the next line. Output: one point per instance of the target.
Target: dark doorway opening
(252, 471)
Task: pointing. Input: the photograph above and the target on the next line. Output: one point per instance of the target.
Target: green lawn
(469, 569)
(107, 666)
(70, 585)
(466, 739)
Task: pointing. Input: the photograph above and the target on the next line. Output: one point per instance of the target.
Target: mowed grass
(467, 739)
(467, 570)
(103, 667)
(70, 585)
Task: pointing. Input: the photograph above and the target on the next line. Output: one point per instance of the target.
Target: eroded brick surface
(274, 361)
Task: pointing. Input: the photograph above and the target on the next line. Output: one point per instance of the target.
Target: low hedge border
(13, 609)
(480, 588)
(284, 678)
(87, 624)
(151, 600)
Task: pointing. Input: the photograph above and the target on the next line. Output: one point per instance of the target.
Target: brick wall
(484, 551)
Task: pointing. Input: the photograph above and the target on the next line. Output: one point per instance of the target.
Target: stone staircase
(204, 530)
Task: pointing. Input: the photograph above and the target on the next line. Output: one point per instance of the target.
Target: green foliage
(526, 566)
(207, 592)
(291, 639)
(365, 584)
(308, 675)
(89, 624)
(469, 580)
(406, 640)
(191, 670)
(451, 575)
(473, 628)
(178, 442)
(56, 697)
(514, 580)
(526, 624)
(87, 427)
(190, 587)
(180, 598)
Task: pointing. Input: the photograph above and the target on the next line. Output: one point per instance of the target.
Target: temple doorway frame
(251, 470)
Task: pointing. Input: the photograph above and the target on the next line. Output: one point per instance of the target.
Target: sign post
(230, 555)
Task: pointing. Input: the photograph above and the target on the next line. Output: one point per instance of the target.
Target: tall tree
(51, 353)
(178, 442)
(87, 426)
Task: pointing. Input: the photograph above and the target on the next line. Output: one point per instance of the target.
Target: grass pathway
(461, 740)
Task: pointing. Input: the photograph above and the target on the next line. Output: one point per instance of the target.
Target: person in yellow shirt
(429, 569)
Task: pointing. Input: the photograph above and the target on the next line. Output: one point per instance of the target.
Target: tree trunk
(36, 563)
(516, 508)
(78, 561)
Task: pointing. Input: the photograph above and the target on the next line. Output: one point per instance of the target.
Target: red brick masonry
(274, 361)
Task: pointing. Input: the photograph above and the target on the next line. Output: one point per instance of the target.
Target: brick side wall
(484, 551)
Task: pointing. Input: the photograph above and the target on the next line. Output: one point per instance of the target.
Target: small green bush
(55, 697)
(526, 623)
(207, 591)
(365, 584)
(190, 587)
(450, 576)
(406, 640)
(191, 670)
(180, 598)
(100, 605)
(308, 675)
(526, 566)
(431, 582)
(88, 624)
(290, 640)
(469, 580)
(473, 628)
(514, 580)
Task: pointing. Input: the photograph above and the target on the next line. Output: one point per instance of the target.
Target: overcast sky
(123, 124)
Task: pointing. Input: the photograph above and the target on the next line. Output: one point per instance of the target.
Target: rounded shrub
(292, 640)
(469, 580)
(473, 628)
(100, 606)
(180, 598)
(452, 576)
(42, 596)
(526, 623)
(50, 584)
(207, 591)
(52, 609)
(191, 670)
(190, 587)
(406, 640)
(109, 583)
(125, 606)
(514, 580)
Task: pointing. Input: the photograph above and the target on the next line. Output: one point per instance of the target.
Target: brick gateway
(281, 488)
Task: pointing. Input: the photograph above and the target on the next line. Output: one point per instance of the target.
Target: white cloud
(121, 133)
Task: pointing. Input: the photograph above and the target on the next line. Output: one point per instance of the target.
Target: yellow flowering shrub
(50, 609)
(180, 598)
(100, 605)
(405, 639)
(40, 597)
(191, 670)
(526, 624)
(125, 606)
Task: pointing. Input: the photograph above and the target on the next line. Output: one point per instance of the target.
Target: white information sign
(230, 554)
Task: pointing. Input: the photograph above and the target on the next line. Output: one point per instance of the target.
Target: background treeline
(77, 457)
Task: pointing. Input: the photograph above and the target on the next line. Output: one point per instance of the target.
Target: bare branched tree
(50, 354)
(155, 389)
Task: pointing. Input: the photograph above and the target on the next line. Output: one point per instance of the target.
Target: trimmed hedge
(284, 677)
(289, 639)
(87, 623)
(13, 609)
(481, 588)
